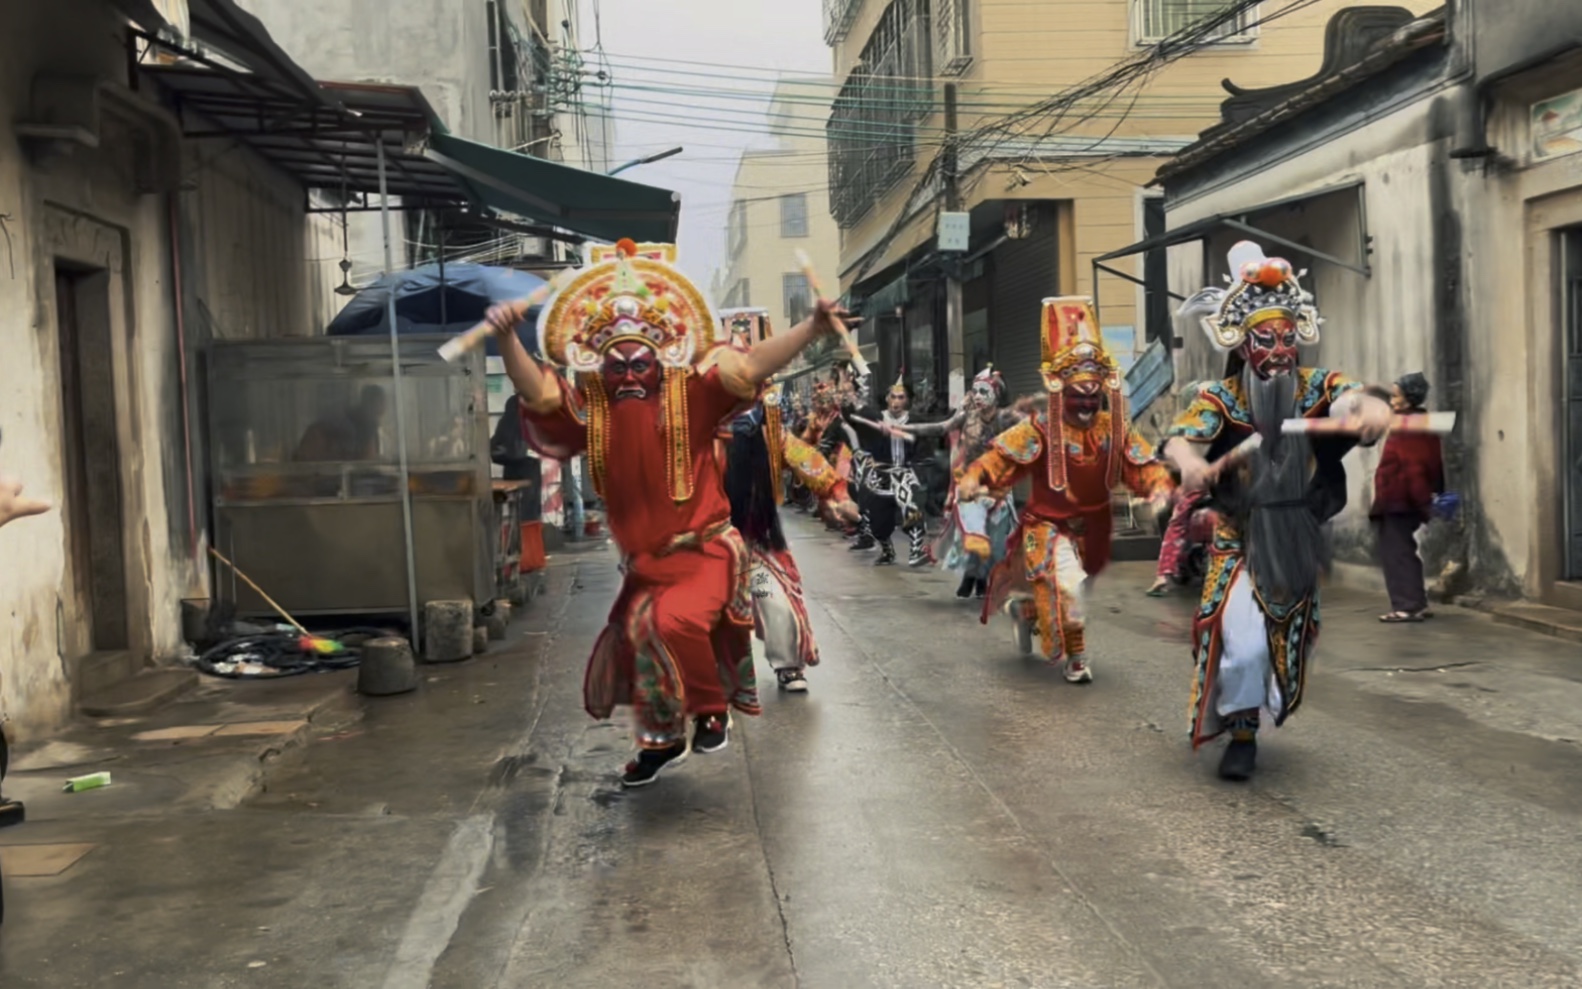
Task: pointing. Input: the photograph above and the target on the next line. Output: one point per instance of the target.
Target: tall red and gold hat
(1073, 352)
(627, 297)
(1073, 349)
(746, 328)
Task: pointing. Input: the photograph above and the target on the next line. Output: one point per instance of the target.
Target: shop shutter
(1024, 273)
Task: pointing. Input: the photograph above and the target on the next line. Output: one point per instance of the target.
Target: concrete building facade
(780, 205)
(1430, 179)
(1047, 192)
(126, 247)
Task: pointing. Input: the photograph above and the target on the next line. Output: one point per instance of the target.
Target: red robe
(671, 648)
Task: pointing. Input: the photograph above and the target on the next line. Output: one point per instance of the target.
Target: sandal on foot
(1399, 618)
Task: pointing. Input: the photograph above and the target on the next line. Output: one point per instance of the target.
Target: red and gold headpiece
(626, 297)
(746, 327)
(1073, 350)
(1074, 354)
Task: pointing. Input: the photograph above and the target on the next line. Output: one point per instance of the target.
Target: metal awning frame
(1199, 230)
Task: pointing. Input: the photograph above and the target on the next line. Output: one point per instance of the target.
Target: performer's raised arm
(940, 428)
(540, 389)
(742, 373)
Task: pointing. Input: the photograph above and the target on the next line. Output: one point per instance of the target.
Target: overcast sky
(785, 35)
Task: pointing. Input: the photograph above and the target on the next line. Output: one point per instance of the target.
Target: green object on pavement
(93, 781)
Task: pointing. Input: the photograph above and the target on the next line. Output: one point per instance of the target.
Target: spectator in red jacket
(1409, 475)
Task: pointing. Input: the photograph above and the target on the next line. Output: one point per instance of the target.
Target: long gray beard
(1285, 545)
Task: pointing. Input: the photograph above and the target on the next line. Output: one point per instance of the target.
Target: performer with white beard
(1255, 628)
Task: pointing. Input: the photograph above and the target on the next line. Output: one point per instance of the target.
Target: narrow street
(937, 812)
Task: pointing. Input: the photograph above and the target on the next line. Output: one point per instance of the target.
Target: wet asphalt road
(937, 812)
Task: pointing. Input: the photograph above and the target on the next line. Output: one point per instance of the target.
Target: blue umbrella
(468, 290)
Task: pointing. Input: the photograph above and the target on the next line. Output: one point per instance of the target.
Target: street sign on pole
(955, 231)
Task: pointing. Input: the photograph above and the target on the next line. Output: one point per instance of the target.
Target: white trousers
(1246, 672)
(776, 621)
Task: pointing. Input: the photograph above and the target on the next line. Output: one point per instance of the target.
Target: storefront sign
(955, 231)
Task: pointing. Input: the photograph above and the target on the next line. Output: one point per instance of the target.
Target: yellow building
(780, 204)
(1048, 190)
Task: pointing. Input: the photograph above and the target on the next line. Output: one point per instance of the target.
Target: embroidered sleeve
(1020, 444)
(714, 395)
(1201, 422)
(561, 433)
(1141, 470)
(1010, 456)
(817, 474)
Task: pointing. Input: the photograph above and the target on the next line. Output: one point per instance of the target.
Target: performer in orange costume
(1076, 451)
(653, 383)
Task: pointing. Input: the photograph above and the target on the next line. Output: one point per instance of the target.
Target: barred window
(793, 215)
(1160, 19)
(798, 297)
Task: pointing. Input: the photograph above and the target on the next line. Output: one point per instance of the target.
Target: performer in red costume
(1075, 451)
(652, 383)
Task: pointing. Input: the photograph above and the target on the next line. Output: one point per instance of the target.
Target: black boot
(982, 589)
(968, 583)
(1241, 755)
(919, 553)
(1239, 760)
(886, 555)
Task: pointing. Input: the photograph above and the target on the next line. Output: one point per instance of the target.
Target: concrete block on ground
(387, 667)
(498, 620)
(447, 631)
(480, 641)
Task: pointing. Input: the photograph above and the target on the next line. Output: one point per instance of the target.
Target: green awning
(584, 202)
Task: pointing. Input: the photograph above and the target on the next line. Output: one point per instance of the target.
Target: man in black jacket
(884, 464)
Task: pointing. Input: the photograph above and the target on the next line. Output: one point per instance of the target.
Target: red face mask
(1082, 402)
(631, 370)
(1271, 348)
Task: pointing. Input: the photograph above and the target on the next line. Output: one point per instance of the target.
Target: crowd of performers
(638, 355)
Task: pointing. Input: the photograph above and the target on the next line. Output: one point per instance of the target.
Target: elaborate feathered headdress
(1262, 288)
(631, 298)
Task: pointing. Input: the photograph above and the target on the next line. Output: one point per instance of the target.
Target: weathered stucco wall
(259, 273)
(1446, 297)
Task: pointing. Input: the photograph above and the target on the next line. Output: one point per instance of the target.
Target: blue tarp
(469, 290)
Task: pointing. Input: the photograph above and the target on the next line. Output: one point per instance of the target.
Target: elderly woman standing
(1410, 473)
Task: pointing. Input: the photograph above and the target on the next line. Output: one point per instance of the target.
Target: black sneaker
(646, 767)
(792, 681)
(886, 556)
(918, 560)
(711, 733)
(966, 588)
(1239, 760)
(861, 543)
(982, 589)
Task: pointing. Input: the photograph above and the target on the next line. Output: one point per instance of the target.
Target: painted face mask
(631, 370)
(1270, 349)
(1083, 401)
(897, 402)
(983, 395)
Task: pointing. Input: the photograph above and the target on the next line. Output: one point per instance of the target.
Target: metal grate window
(737, 239)
(952, 38)
(1159, 19)
(872, 125)
(793, 215)
(798, 298)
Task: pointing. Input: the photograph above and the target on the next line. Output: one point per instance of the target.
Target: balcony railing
(872, 129)
(838, 15)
